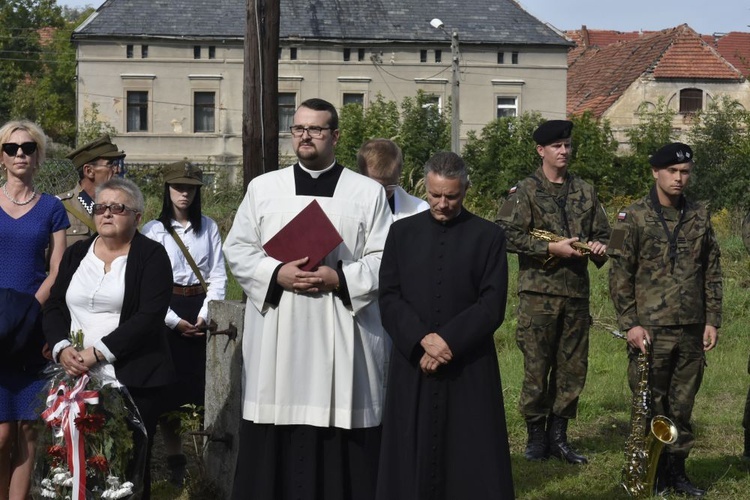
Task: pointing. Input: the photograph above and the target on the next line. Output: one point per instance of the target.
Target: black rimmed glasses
(11, 148)
(115, 208)
(315, 132)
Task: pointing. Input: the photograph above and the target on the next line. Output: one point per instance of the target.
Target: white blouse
(94, 299)
(205, 248)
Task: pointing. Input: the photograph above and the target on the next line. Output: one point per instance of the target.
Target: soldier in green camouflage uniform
(553, 286)
(665, 283)
(746, 419)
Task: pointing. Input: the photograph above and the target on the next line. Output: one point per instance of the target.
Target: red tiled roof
(734, 47)
(599, 75)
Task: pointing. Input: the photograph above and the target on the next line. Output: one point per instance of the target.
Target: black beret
(100, 148)
(671, 154)
(552, 130)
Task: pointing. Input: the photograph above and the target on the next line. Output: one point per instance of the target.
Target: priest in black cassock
(443, 285)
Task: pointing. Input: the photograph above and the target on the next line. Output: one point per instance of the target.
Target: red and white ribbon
(64, 405)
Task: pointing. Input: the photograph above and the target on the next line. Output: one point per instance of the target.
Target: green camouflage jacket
(532, 204)
(646, 288)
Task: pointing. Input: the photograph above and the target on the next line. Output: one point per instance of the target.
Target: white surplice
(312, 360)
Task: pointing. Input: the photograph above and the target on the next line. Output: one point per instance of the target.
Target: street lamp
(455, 116)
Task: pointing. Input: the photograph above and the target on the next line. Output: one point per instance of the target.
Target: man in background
(96, 163)
(382, 161)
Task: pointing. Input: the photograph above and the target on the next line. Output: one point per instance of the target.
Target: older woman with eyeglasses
(30, 222)
(116, 287)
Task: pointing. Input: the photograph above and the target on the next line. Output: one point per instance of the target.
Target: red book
(310, 234)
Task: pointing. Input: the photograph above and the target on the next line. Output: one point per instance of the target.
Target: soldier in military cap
(665, 283)
(96, 163)
(553, 288)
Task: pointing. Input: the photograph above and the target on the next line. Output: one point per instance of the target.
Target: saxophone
(551, 260)
(646, 440)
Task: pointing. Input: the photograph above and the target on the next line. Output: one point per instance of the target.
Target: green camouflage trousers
(553, 335)
(677, 366)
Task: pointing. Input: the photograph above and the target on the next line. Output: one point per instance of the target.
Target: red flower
(99, 462)
(57, 451)
(90, 423)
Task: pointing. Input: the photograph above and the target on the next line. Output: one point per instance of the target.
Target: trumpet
(543, 235)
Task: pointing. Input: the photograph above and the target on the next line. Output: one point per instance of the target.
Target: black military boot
(678, 478)
(557, 430)
(536, 446)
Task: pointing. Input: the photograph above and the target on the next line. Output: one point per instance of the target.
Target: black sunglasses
(115, 208)
(28, 148)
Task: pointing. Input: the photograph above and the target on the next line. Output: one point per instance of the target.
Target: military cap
(671, 154)
(183, 172)
(552, 130)
(100, 148)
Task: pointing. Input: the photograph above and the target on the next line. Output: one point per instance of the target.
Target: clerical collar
(316, 173)
(86, 201)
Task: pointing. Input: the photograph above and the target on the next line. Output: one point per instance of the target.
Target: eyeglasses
(110, 165)
(115, 208)
(10, 148)
(299, 130)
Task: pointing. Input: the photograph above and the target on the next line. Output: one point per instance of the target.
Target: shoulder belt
(75, 212)
(189, 257)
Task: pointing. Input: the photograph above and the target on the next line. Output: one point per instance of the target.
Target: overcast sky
(705, 17)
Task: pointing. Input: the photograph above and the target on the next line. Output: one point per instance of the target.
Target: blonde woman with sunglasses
(30, 222)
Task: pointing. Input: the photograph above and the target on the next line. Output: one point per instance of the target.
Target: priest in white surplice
(382, 160)
(314, 349)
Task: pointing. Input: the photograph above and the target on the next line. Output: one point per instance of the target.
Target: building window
(691, 100)
(514, 58)
(438, 56)
(354, 99)
(287, 106)
(507, 106)
(360, 54)
(211, 52)
(501, 57)
(423, 56)
(347, 54)
(129, 51)
(204, 110)
(137, 111)
(196, 52)
(432, 101)
(293, 54)
(144, 51)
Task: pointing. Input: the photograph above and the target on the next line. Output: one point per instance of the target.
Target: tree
(593, 157)
(49, 95)
(501, 155)
(424, 131)
(720, 139)
(20, 48)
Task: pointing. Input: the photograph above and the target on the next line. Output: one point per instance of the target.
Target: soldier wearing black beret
(96, 162)
(665, 283)
(553, 286)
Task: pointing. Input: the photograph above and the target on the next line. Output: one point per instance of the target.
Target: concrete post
(223, 393)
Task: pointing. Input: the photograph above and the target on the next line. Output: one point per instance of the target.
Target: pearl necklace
(15, 201)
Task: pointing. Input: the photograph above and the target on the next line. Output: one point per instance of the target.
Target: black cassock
(444, 435)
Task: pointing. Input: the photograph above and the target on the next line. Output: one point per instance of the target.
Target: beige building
(616, 76)
(168, 76)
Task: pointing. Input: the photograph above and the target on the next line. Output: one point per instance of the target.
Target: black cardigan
(139, 342)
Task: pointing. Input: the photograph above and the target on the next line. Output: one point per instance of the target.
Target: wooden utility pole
(260, 114)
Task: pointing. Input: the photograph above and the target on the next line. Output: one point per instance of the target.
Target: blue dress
(23, 243)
